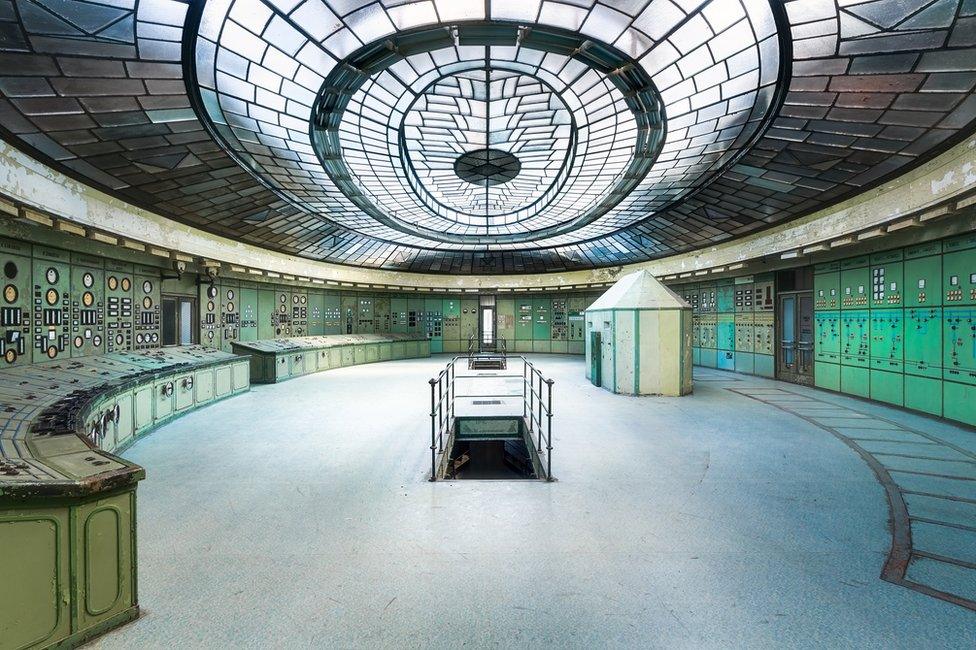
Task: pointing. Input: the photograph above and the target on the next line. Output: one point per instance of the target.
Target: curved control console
(275, 360)
(67, 503)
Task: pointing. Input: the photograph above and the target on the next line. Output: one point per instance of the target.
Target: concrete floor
(299, 516)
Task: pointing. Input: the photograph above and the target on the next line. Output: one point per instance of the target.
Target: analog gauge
(147, 302)
(52, 352)
(230, 306)
(126, 284)
(304, 299)
(119, 339)
(88, 280)
(210, 305)
(230, 294)
(139, 338)
(147, 287)
(283, 298)
(294, 299)
(282, 309)
(10, 270)
(10, 293)
(10, 356)
(88, 299)
(51, 296)
(97, 340)
(155, 337)
(210, 335)
(211, 291)
(79, 341)
(52, 275)
(113, 283)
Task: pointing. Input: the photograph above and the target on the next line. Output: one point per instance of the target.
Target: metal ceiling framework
(862, 91)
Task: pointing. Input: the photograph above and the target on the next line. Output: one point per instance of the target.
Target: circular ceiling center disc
(487, 167)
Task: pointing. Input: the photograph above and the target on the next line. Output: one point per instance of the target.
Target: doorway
(794, 363)
(179, 320)
(486, 322)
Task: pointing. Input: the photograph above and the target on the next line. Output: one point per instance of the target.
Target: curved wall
(948, 178)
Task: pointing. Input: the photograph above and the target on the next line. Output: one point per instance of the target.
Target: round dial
(211, 291)
(87, 299)
(10, 270)
(147, 302)
(294, 299)
(113, 283)
(10, 356)
(230, 294)
(119, 339)
(138, 338)
(52, 275)
(282, 309)
(10, 293)
(52, 352)
(51, 296)
(282, 298)
(96, 340)
(126, 284)
(88, 280)
(210, 305)
(147, 287)
(230, 306)
(79, 341)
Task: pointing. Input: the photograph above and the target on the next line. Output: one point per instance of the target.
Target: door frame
(799, 349)
(487, 302)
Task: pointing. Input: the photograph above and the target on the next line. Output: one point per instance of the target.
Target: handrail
(536, 408)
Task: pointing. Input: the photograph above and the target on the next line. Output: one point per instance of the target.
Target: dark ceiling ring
(637, 88)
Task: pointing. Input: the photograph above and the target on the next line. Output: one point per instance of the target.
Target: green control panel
(299, 313)
(87, 306)
(887, 279)
(147, 305)
(15, 312)
(230, 313)
(52, 304)
(209, 300)
(119, 309)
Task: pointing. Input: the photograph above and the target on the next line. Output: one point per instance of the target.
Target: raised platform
(274, 360)
(67, 504)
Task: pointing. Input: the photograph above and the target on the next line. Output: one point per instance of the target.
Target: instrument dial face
(10, 293)
(147, 302)
(79, 341)
(282, 309)
(51, 297)
(210, 305)
(230, 294)
(9, 356)
(10, 270)
(52, 275)
(230, 306)
(88, 280)
(126, 284)
(88, 299)
(211, 291)
(294, 299)
(304, 299)
(52, 352)
(147, 287)
(113, 283)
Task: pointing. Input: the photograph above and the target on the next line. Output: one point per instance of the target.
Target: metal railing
(537, 413)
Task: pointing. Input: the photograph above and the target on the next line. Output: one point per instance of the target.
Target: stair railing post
(440, 410)
(540, 412)
(549, 382)
(433, 433)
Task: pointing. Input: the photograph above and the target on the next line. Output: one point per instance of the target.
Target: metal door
(794, 326)
(487, 322)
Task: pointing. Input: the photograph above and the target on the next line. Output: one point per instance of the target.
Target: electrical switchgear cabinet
(505, 320)
(52, 315)
(469, 321)
(316, 313)
(923, 281)
(827, 375)
(249, 313)
(959, 341)
(209, 301)
(87, 306)
(887, 275)
(725, 297)
(541, 325)
(230, 313)
(923, 394)
(887, 387)
(118, 306)
(923, 341)
(433, 320)
(452, 325)
(827, 336)
(855, 282)
(959, 271)
(887, 339)
(266, 314)
(16, 337)
(725, 332)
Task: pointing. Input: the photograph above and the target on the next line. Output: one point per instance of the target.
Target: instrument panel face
(15, 308)
(230, 313)
(87, 310)
(210, 300)
(146, 298)
(52, 309)
(382, 317)
(299, 313)
(118, 306)
(560, 331)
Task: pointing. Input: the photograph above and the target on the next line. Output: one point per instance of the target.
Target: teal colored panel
(745, 362)
(855, 287)
(923, 281)
(827, 336)
(855, 381)
(725, 298)
(709, 358)
(855, 337)
(765, 365)
(959, 402)
(826, 375)
(826, 290)
(725, 332)
(959, 271)
(523, 319)
(725, 360)
(923, 394)
(887, 339)
(959, 344)
(541, 326)
(923, 341)
(249, 314)
(888, 387)
(887, 281)
(696, 356)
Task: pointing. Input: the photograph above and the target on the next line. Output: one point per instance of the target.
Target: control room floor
(299, 515)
